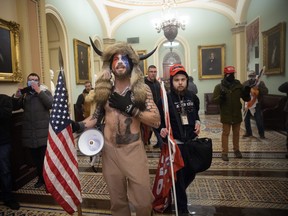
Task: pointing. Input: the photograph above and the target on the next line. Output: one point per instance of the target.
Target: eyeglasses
(35, 80)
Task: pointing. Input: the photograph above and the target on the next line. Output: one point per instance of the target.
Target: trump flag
(60, 164)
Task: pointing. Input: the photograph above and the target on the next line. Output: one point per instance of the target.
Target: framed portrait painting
(143, 64)
(211, 61)
(9, 52)
(274, 49)
(82, 61)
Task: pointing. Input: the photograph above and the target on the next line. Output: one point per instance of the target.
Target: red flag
(163, 179)
(60, 164)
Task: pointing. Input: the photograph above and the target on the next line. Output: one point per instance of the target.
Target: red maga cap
(174, 69)
(229, 70)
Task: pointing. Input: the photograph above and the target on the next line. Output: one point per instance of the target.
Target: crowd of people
(127, 100)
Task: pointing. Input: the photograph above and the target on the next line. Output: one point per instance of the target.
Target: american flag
(60, 164)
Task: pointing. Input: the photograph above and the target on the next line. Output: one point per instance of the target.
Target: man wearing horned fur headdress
(127, 102)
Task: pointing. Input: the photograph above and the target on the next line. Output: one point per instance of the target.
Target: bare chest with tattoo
(120, 129)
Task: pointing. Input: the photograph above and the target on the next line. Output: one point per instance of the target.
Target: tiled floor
(256, 185)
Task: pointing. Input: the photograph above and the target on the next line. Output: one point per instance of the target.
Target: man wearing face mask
(258, 89)
(228, 94)
(36, 101)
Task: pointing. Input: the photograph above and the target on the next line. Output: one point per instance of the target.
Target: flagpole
(173, 178)
(165, 101)
(79, 209)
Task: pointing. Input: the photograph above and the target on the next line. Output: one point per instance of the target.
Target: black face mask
(252, 81)
(230, 77)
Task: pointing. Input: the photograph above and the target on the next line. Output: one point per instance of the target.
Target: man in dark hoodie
(153, 83)
(185, 125)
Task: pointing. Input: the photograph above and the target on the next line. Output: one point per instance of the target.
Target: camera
(26, 89)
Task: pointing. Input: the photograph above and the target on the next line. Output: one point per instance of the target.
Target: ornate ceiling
(116, 12)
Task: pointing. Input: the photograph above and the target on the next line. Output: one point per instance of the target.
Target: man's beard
(121, 76)
(181, 93)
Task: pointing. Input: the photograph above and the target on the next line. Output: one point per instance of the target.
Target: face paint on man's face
(119, 61)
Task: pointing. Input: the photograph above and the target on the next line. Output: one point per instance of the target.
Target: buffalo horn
(95, 48)
(143, 57)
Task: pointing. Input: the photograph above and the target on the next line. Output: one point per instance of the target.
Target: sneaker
(225, 157)
(94, 169)
(12, 204)
(184, 212)
(262, 137)
(238, 154)
(247, 135)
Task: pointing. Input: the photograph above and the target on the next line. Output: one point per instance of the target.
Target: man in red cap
(228, 94)
(185, 125)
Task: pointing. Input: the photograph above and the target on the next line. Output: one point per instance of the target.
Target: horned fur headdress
(104, 83)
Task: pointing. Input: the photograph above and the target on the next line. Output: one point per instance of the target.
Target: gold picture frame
(274, 49)
(9, 52)
(211, 61)
(82, 61)
(143, 63)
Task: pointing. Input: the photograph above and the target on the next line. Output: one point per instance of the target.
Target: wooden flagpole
(79, 209)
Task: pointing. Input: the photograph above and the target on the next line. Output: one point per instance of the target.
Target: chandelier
(169, 23)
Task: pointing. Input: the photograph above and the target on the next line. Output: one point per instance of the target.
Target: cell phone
(26, 89)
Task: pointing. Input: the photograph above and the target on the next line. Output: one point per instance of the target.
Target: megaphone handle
(93, 160)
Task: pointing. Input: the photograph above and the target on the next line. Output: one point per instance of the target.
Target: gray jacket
(35, 117)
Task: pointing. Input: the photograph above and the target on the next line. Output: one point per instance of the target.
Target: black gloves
(222, 95)
(247, 89)
(246, 92)
(122, 103)
(77, 126)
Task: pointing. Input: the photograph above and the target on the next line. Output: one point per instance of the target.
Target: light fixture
(169, 23)
(171, 44)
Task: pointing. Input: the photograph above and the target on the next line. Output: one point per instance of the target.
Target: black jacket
(190, 105)
(36, 117)
(5, 119)
(155, 89)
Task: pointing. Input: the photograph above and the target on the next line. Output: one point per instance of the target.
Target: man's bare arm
(91, 121)
(150, 116)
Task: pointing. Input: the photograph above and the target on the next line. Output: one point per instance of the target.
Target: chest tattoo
(126, 136)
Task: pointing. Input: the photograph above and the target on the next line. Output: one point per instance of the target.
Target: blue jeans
(5, 172)
(259, 121)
